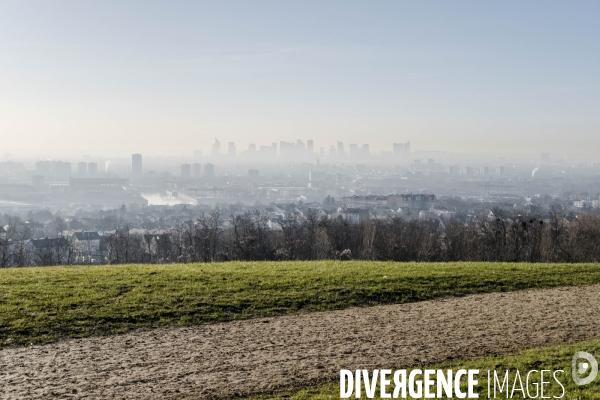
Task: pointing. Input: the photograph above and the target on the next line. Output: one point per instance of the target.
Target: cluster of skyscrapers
(299, 150)
(62, 169)
(401, 148)
(197, 170)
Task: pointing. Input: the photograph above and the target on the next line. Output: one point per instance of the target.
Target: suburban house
(86, 247)
(50, 251)
(353, 214)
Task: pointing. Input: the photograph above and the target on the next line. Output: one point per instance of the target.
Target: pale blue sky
(167, 77)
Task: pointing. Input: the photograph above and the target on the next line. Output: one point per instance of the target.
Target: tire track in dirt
(269, 354)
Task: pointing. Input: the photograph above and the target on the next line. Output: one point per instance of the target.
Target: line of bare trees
(495, 236)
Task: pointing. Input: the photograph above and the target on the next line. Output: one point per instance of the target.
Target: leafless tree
(5, 253)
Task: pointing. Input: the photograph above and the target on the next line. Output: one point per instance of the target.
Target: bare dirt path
(265, 355)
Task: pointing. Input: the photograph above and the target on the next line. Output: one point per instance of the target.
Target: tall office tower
(252, 148)
(353, 151)
(365, 150)
(286, 149)
(332, 152)
(300, 146)
(209, 170)
(216, 148)
(340, 149)
(82, 169)
(231, 152)
(92, 169)
(398, 149)
(268, 151)
(136, 165)
(185, 171)
(197, 170)
(407, 147)
(310, 146)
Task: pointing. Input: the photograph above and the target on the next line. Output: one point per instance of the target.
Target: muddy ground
(270, 354)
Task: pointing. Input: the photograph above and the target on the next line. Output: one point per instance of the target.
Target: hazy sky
(116, 77)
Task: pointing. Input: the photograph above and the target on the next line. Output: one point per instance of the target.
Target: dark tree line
(252, 236)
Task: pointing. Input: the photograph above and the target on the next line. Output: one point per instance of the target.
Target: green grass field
(550, 358)
(41, 305)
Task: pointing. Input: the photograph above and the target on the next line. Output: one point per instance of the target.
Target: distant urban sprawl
(56, 204)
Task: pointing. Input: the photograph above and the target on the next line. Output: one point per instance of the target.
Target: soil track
(266, 355)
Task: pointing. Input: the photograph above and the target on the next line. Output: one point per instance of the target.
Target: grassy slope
(41, 305)
(550, 358)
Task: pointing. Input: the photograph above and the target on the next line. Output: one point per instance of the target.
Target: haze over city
(213, 104)
(260, 199)
(114, 78)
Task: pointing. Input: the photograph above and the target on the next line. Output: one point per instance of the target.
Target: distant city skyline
(117, 78)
